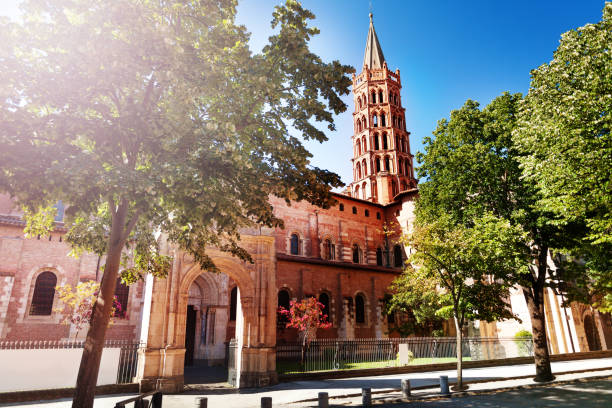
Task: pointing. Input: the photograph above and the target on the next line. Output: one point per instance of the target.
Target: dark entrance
(190, 335)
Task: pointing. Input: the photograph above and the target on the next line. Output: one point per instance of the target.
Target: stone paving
(343, 391)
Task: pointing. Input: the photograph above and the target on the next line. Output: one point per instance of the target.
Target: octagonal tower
(382, 162)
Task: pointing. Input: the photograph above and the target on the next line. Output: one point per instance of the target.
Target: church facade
(345, 256)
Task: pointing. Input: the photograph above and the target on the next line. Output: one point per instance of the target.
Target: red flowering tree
(307, 316)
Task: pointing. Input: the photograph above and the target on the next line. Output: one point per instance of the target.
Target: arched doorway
(188, 296)
(209, 327)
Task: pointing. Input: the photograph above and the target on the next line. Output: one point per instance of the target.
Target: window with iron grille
(44, 291)
(122, 293)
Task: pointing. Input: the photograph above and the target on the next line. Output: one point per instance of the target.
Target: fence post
(323, 400)
(406, 388)
(366, 397)
(202, 402)
(266, 402)
(444, 385)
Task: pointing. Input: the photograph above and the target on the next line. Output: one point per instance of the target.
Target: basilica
(345, 256)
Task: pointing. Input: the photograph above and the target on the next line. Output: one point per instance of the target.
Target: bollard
(202, 402)
(266, 402)
(444, 385)
(323, 400)
(406, 388)
(366, 397)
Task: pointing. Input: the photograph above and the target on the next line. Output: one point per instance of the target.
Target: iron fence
(331, 354)
(128, 354)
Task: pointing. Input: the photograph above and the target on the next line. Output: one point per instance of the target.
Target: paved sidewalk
(292, 393)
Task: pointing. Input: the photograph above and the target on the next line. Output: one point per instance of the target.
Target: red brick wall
(25, 258)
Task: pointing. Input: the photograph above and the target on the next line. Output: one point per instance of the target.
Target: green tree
(563, 133)
(471, 167)
(463, 271)
(416, 295)
(154, 116)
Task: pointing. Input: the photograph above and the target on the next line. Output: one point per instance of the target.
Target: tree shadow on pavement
(596, 394)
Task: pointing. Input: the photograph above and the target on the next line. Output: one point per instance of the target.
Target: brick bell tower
(382, 163)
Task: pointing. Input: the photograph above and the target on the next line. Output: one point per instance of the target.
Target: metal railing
(331, 354)
(128, 354)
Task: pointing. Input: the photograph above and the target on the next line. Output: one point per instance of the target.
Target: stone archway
(162, 362)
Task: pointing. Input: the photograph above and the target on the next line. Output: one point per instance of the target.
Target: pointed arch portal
(179, 303)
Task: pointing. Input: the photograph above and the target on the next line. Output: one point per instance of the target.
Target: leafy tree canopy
(564, 129)
(563, 135)
(160, 108)
(468, 269)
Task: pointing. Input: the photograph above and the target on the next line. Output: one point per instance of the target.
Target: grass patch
(290, 367)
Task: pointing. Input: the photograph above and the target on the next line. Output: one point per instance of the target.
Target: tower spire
(373, 57)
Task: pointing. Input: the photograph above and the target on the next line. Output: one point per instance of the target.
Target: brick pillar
(6, 287)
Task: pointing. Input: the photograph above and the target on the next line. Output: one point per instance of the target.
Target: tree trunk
(459, 386)
(534, 297)
(94, 343)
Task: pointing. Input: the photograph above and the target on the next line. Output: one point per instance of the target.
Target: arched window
(341, 207)
(329, 250)
(380, 97)
(375, 121)
(397, 256)
(364, 123)
(364, 145)
(374, 192)
(359, 308)
(400, 167)
(385, 141)
(373, 96)
(358, 148)
(359, 101)
(356, 194)
(356, 253)
(378, 164)
(379, 256)
(358, 171)
(590, 330)
(376, 142)
(367, 213)
(295, 244)
(393, 187)
(324, 300)
(383, 119)
(407, 168)
(364, 167)
(283, 301)
(387, 168)
(355, 208)
(358, 126)
(44, 291)
(122, 292)
(233, 303)
(363, 190)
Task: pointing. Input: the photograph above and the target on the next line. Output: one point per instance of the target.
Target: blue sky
(447, 52)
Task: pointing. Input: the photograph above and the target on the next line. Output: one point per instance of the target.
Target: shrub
(524, 343)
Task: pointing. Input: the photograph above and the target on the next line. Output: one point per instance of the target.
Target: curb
(57, 393)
